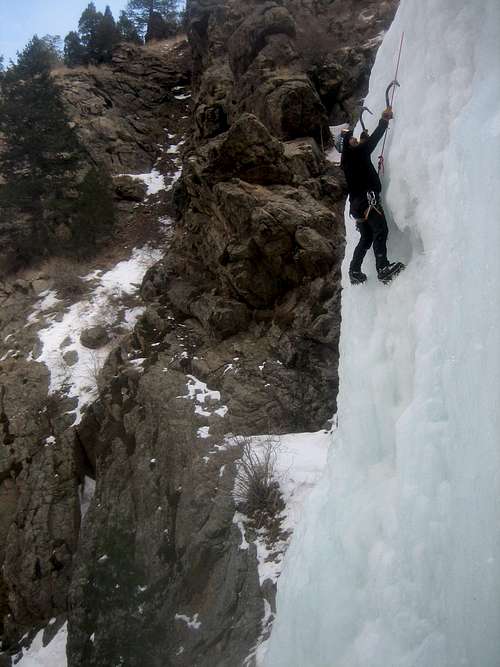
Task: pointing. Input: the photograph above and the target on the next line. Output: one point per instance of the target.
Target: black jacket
(356, 162)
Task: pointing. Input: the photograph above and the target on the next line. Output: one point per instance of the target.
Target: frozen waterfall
(396, 562)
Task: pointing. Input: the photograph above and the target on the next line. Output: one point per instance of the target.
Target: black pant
(374, 231)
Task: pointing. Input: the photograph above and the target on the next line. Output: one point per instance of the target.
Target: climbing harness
(392, 86)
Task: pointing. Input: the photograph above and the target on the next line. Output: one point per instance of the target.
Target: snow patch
(192, 623)
(154, 181)
(52, 655)
(79, 380)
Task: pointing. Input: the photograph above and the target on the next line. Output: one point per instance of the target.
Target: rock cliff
(239, 336)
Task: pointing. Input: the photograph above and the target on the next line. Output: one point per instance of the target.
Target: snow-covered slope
(397, 559)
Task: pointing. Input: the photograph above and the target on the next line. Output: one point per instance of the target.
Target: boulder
(248, 151)
(305, 157)
(94, 337)
(222, 317)
(71, 357)
(252, 35)
(128, 188)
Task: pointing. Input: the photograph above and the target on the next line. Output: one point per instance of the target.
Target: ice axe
(363, 109)
(394, 84)
(388, 103)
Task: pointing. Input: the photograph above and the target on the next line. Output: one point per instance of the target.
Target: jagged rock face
(120, 110)
(39, 504)
(170, 552)
(43, 460)
(247, 299)
(261, 213)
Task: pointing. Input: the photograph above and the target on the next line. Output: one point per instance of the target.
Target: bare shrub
(93, 369)
(163, 45)
(66, 276)
(63, 70)
(257, 489)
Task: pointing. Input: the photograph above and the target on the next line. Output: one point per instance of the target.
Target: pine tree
(38, 57)
(154, 18)
(74, 51)
(95, 216)
(107, 37)
(127, 30)
(39, 162)
(88, 27)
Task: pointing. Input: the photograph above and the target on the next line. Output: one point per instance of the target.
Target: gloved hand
(387, 114)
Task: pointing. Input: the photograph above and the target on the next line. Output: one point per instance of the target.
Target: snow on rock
(52, 655)
(396, 560)
(154, 181)
(300, 459)
(192, 623)
(47, 303)
(62, 335)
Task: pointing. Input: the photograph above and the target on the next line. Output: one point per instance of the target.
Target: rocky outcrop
(39, 476)
(120, 111)
(162, 580)
(239, 336)
(338, 49)
(43, 461)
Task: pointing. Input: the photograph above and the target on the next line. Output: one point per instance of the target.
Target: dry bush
(63, 70)
(165, 44)
(66, 275)
(257, 489)
(93, 369)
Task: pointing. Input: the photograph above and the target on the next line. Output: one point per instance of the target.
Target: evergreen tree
(159, 28)
(95, 216)
(40, 146)
(127, 30)
(98, 34)
(88, 27)
(74, 51)
(54, 47)
(39, 162)
(38, 57)
(107, 37)
(146, 16)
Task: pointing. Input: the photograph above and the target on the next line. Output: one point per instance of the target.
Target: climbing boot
(357, 277)
(390, 271)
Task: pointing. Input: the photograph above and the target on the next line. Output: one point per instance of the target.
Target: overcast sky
(21, 19)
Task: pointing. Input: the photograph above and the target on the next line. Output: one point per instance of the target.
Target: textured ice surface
(396, 561)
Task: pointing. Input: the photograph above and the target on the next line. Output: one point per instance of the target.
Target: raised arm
(372, 141)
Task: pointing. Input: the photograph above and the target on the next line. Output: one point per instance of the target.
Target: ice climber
(363, 184)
